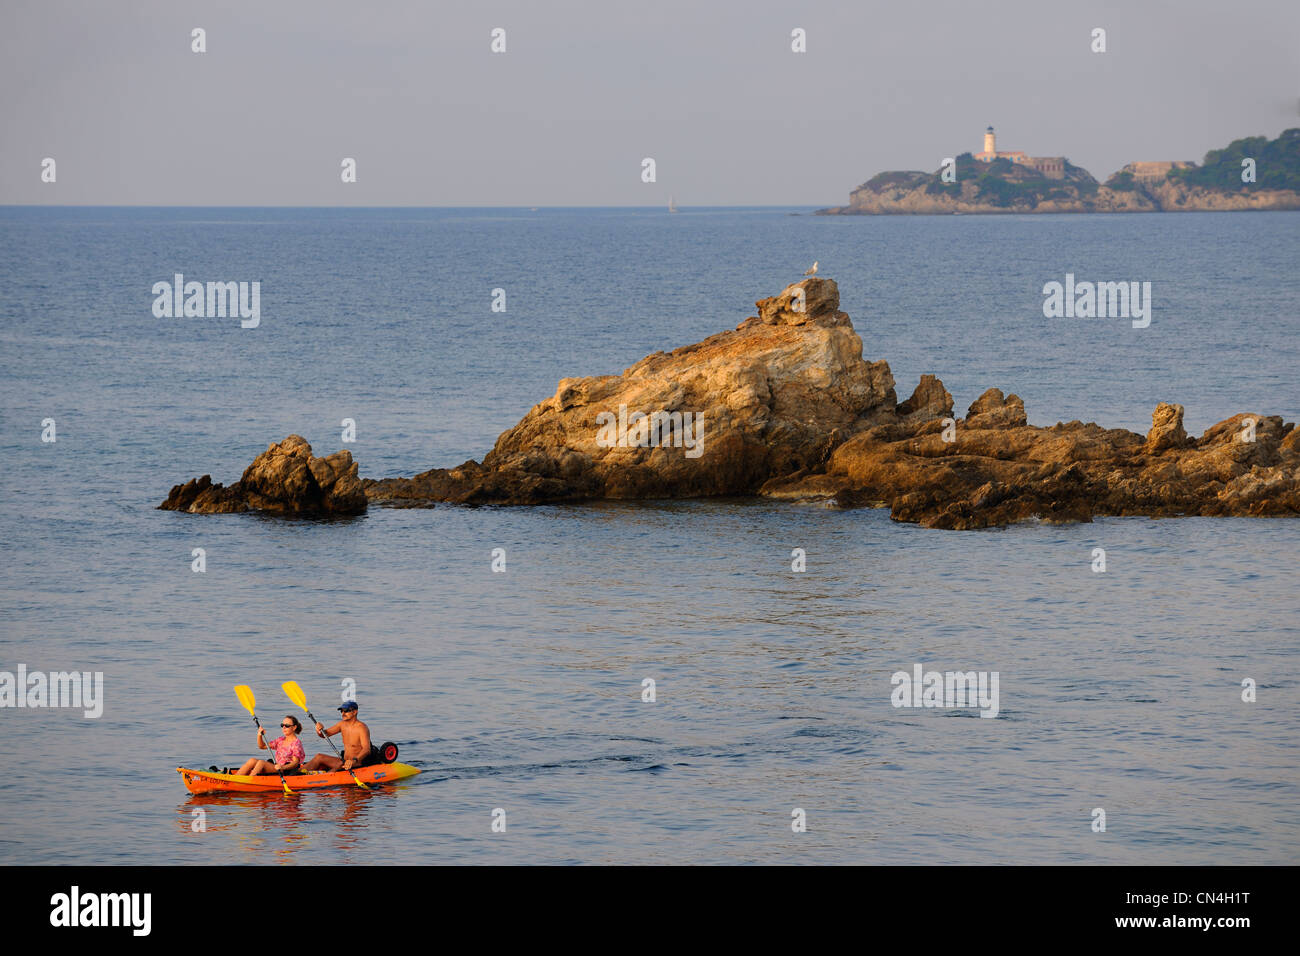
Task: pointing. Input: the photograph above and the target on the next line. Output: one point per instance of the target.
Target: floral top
(287, 751)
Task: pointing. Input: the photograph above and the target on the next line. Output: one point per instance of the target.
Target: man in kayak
(357, 749)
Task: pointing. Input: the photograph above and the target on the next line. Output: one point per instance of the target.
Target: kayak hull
(205, 781)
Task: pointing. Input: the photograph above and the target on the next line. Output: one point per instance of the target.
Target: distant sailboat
(672, 206)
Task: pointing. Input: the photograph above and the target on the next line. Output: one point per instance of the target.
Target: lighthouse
(990, 146)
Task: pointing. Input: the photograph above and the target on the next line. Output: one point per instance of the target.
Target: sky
(111, 90)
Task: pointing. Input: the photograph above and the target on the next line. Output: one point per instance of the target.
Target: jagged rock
(1000, 470)
(929, 400)
(1174, 196)
(992, 410)
(283, 480)
(201, 496)
(1166, 429)
(787, 407)
(771, 397)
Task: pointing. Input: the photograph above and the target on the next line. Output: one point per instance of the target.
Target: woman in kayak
(288, 751)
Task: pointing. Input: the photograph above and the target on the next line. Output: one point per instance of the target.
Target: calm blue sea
(522, 690)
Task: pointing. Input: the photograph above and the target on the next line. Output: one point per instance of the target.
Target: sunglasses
(287, 726)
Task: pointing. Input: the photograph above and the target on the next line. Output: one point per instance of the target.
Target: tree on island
(1277, 164)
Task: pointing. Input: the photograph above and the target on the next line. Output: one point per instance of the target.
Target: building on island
(1154, 171)
(1053, 167)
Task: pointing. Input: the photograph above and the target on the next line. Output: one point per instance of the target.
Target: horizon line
(660, 206)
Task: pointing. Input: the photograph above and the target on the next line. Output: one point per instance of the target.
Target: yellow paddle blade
(295, 693)
(245, 695)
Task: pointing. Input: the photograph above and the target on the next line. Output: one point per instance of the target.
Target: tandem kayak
(205, 781)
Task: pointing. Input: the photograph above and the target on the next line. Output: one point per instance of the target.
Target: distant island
(1010, 181)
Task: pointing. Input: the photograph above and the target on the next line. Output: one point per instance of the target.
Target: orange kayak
(205, 781)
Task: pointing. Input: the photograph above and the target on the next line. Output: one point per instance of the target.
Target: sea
(629, 682)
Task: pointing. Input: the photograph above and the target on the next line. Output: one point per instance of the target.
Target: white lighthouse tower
(990, 143)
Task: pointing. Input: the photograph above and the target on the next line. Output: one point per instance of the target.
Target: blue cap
(349, 705)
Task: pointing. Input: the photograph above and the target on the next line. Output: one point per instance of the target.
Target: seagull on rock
(812, 271)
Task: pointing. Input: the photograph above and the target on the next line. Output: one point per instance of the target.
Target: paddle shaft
(275, 762)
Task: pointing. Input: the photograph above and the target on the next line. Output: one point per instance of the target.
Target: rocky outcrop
(1171, 195)
(992, 468)
(785, 406)
(720, 417)
(929, 400)
(1166, 429)
(284, 480)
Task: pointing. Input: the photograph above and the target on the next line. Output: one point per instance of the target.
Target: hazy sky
(586, 90)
